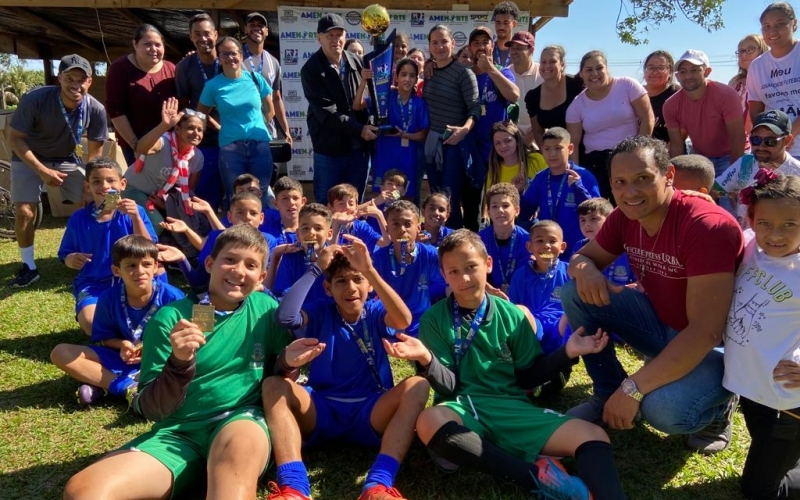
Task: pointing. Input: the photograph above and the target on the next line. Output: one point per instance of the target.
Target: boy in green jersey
(200, 382)
(480, 354)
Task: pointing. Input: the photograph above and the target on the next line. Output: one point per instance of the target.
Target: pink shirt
(705, 120)
(611, 120)
(680, 250)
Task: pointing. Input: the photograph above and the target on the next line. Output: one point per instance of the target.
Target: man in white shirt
(526, 74)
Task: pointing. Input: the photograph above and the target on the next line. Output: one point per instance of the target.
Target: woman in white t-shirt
(607, 112)
(762, 337)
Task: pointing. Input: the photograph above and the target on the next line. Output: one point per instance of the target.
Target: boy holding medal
(480, 354)
(201, 385)
(92, 230)
(345, 212)
(350, 395)
(505, 241)
(109, 364)
(411, 268)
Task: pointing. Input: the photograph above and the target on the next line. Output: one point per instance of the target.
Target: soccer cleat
(24, 277)
(716, 436)
(554, 483)
(284, 493)
(89, 394)
(380, 492)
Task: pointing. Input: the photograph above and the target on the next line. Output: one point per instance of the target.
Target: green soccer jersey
(504, 342)
(229, 367)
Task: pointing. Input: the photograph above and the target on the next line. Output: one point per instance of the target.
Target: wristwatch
(629, 389)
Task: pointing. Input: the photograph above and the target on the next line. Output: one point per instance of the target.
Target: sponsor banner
(297, 27)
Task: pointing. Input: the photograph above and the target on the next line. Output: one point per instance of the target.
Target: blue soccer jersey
(421, 283)
(273, 225)
(619, 272)
(343, 368)
(291, 268)
(505, 259)
(541, 293)
(361, 230)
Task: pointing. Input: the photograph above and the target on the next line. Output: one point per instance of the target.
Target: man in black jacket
(338, 134)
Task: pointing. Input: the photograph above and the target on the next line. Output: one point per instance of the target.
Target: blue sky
(590, 27)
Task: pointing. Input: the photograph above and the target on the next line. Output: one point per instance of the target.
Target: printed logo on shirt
(660, 263)
(290, 57)
(258, 357)
(417, 19)
(504, 353)
(555, 296)
(570, 200)
(422, 286)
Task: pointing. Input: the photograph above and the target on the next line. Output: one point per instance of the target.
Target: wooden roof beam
(51, 26)
(137, 20)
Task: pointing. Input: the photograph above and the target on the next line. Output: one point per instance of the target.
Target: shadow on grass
(41, 481)
(727, 488)
(38, 347)
(57, 393)
(55, 277)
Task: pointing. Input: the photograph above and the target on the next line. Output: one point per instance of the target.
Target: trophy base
(388, 130)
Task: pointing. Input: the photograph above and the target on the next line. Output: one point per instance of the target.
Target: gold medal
(483, 110)
(79, 151)
(504, 288)
(203, 317)
(112, 199)
(404, 142)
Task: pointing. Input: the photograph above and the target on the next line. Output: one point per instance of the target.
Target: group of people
(492, 314)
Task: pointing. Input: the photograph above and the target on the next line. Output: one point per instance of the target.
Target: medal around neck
(310, 249)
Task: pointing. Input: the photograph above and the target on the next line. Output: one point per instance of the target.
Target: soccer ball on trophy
(375, 19)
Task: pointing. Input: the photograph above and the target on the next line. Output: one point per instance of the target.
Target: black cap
(775, 120)
(255, 15)
(73, 61)
(330, 22)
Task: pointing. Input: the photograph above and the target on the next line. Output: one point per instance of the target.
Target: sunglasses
(769, 142)
(191, 112)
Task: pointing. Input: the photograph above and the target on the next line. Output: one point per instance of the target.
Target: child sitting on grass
(435, 210)
(343, 204)
(283, 220)
(110, 363)
(505, 241)
(392, 188)
(592, 214)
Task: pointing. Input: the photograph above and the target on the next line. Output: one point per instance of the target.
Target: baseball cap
(775, 120)
(73, 61)
(329, 22)
(255, 15)
(481, 30)
(696, 57)
(521, 38)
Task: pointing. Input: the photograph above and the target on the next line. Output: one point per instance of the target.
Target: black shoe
(717, 435)
(24, 277)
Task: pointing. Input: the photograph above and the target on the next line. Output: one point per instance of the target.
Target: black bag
(280, 149)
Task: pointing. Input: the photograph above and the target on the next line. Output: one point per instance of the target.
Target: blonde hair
(741, 76)
(496, 161)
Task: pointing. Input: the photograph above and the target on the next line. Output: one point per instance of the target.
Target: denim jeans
(684, 406)
(721, 164)
(245, 157)
(208, 185)
(451, 179)
(332, 170)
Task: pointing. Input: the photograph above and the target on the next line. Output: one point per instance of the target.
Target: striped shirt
(452, 96)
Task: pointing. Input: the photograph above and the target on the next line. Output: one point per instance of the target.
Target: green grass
(45, 437)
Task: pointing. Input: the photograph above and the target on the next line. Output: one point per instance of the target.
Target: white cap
(696, 57)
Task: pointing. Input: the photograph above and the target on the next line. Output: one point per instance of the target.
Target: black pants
(772, 468)
(596, 162)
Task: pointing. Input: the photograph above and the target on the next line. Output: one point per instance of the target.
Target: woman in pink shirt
(608, 111)
(748, 49)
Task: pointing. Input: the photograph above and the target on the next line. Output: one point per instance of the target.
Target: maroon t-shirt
(696, 238)
(138, 95)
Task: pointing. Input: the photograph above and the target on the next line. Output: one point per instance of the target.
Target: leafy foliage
(15, 80)
(637, 17)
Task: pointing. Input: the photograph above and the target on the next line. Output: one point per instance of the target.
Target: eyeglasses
(749, 50)
(769, 142)
(229, 55)
(656, 69)
(191, 112)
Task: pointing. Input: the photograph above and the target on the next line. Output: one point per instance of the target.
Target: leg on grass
(24, 227)
(107, 478)
(81, 363)
(290, 413)
(85, 318)
(432, 419)
(237, 457)
(395, 415)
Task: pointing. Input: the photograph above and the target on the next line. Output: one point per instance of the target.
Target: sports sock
(595, 463)
(295, 476)
(27, 256)
(461, 446)
(119, 385)
(383, 472)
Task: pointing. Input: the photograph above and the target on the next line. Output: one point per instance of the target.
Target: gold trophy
(375, 21)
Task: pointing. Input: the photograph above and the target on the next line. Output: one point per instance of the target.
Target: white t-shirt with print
(763, 326)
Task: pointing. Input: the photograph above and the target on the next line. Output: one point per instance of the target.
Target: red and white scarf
(179, 174)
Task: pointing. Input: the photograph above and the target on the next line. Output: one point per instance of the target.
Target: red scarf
(179, 174)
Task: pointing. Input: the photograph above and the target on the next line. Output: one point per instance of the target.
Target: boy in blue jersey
(200, 382)
(411, 268)
(283, 220)
(350, 396)
(343, 204)
(92, 231)
(291, 260)
(592, 214)
(505, 241)
(392, 188)
(109, 364)
(557, 191)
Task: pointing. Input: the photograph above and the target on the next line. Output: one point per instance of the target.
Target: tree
(640, 15)
(15, 80)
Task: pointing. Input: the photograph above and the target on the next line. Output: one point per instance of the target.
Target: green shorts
(514, 425)
(184, 448)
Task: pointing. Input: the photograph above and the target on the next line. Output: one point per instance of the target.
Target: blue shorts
(110, 360)
(343, 421)
(87, 295)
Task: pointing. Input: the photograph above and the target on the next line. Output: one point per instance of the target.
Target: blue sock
(120, 384)
(294, 475)
(383, 472)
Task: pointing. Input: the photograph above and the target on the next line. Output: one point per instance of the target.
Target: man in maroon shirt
(684, 251)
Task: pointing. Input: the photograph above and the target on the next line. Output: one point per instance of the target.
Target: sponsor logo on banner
(297, 114)
(307, 55)
(290, 56)
(397, 18)
(448, 19)
(459, 38)
(479, 18)
(418, 37)
(353, 18)
(302, 152)
(417, 19)
(313, 15)
(290, 76)
(292, 95)
(297, 171)
(296, 133)
(298, 35)
(288, 16)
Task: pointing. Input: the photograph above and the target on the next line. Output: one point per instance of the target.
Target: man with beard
(771, 138)
(45, 138)
(707, 112)
(191, 75)
(526, 75)
(256, 58)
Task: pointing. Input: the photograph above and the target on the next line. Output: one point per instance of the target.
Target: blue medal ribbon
(496, 56)
(403, 258)
(553, 203)
(406, 123)
(462, 345)
(203, 68)
(508, 272)
(136, 333)
(364, 345)
(249, 57)
(75, 134)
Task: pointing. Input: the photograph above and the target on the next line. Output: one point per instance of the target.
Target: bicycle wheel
(8, 215)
